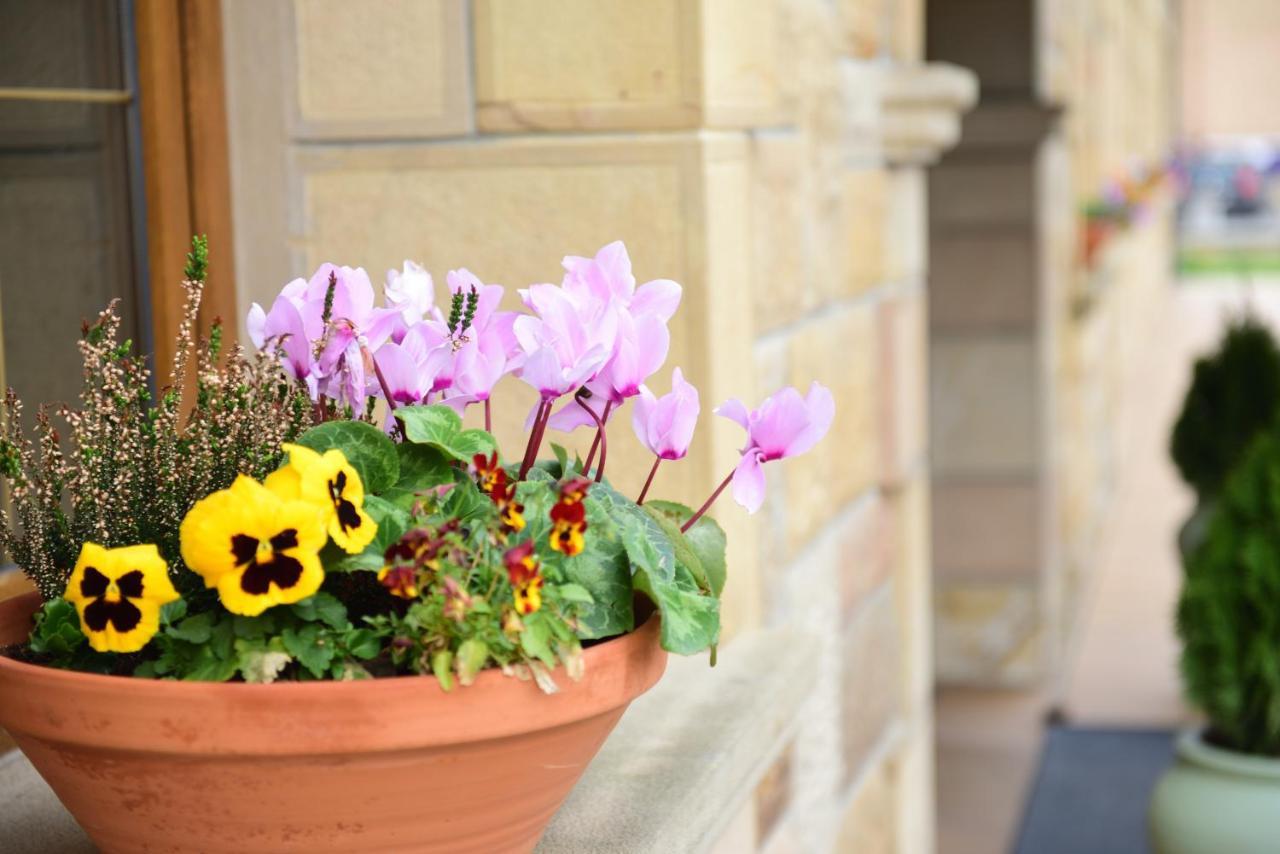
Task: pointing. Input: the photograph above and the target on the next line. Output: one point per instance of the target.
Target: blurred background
(1000, 230)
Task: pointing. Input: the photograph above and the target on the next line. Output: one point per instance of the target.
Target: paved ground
(1123, 670)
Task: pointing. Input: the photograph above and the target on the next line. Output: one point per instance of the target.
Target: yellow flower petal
(257, 548)
(118, 594)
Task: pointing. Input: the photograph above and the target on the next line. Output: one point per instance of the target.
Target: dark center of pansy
(348, 516)
(120, 613)
(266, 566)
(124, 616)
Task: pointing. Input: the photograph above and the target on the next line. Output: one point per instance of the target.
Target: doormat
(1092, 790)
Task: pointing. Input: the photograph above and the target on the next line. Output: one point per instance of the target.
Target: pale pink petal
(734, 410)
(659, 298)
(821, 408)
(748, 482)
(255, 324)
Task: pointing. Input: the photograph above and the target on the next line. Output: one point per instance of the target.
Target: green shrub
(1229, 613)
(1234, 393)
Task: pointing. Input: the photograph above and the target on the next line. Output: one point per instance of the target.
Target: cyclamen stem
(535, 438)
(591, 455)
(386, 389)
(706, 505)
(600, 437)
(488, 417)
(649, 480)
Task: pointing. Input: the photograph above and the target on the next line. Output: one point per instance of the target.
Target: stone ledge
(689, 754)
(921, 106)
(699, 731)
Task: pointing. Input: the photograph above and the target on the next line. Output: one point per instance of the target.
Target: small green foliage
(440, 427)
(1234, 394)
(311, 639)
(1229, 612)
(197, 268)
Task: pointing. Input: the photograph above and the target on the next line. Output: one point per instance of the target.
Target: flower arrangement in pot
(313, 610)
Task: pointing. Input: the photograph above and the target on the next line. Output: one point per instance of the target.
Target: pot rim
(392, 713)
(1192, 747)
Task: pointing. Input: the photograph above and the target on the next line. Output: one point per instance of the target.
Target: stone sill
(680, 765)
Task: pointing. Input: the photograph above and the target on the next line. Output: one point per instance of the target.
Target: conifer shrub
(1234, 394)
(1229, 614)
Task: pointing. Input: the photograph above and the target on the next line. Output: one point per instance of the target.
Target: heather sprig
(131, 467)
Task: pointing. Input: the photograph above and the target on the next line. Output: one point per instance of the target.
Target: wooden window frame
(186, 173)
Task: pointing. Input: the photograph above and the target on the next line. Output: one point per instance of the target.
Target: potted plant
(315, 612)
(1223, 794)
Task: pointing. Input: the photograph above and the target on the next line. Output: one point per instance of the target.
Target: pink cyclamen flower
(566, 343)
(785, 425)
(284, 329)
(411, 292)
(642, 340)
(665, 424)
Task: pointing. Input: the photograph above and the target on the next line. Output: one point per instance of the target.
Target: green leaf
(465, 501)
(422, 467)
(363, 643)
(253, 628)
(562, 458)
(400, 497)
(706, 538)
(441, 428)
(680, 548)
(442, 667)
(197, 628)
(471, 658)
(311, 647)
(647, 545)
(690, 618)
(574, 593)
(172, 612)
(535, 640)
(57, 630)
(370, 451)
(208, 666)
(392, 522)
(322, 607)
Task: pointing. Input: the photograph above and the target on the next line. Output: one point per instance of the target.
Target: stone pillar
(989, 357)
(1026, 339)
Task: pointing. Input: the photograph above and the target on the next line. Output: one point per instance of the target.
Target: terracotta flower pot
(383, 765)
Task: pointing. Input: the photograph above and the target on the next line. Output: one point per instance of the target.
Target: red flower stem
(386, 390)
(591, 455)
(535, 438)
(707, 505)
(600, 437)
(488, 417)
(648, 481)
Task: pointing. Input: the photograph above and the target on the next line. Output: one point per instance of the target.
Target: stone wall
(768, 155)
(1027, 340)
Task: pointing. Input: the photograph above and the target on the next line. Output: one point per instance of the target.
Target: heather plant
(1229, 612)
(132, 466)
(324, 512)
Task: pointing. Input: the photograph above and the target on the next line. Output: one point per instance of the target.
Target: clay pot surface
(385, 765)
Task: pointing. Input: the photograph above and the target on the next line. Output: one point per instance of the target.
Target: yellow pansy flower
(331, 483)
(118, 594)
(257, 548)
